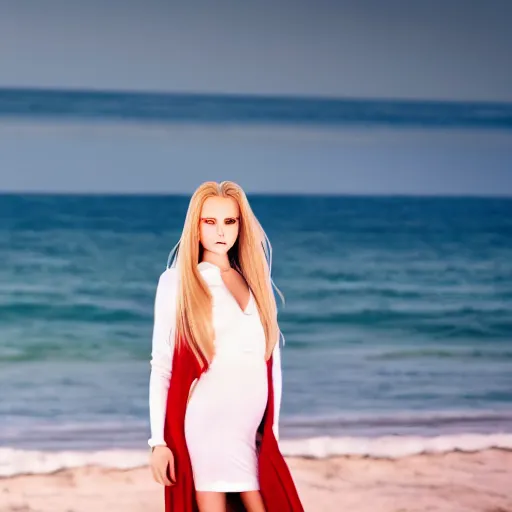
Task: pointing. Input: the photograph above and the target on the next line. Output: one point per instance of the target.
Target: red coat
(276, 484)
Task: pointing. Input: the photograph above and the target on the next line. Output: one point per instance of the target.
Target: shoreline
(449, 482)
(23, 461)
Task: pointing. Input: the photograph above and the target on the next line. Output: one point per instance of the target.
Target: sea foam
(17, 462)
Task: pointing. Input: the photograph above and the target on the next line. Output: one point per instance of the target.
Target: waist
(242, 359)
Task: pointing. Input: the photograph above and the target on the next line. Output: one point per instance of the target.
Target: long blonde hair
(251, 255)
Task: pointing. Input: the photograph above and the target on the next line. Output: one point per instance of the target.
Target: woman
(215, 385)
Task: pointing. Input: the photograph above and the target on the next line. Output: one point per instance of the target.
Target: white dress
(228, 401)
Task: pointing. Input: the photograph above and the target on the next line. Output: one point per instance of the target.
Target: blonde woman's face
(219, 224)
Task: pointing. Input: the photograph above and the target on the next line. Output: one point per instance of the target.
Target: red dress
(276, 484)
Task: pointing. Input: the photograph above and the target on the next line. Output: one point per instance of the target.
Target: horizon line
(258, 96)
(423, 195)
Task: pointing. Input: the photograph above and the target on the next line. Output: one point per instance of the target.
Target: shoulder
(170, 276)
(210, 274)
(168, 279)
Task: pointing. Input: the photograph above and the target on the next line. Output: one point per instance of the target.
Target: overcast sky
(438, 49)
(453, 49)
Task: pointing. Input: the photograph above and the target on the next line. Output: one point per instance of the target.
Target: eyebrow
(213, 218)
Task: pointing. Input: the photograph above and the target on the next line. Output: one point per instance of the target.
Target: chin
(220, 249)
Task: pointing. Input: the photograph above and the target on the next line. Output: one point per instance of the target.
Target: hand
(162, 465)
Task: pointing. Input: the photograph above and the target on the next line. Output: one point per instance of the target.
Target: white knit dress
(228, 401)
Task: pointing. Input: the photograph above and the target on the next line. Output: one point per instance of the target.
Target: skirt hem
(227, 487)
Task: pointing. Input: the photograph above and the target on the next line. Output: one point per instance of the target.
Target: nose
(220, 230)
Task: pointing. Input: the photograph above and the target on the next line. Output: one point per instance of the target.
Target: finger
(162, 474)
(156, 477)
(162, 479)
(171, 474)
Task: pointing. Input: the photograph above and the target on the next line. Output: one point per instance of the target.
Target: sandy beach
(458, 482)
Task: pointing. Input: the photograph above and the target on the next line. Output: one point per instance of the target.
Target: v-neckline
(239, 307)
(243, 311)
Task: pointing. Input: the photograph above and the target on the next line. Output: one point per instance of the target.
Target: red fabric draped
(276, 484)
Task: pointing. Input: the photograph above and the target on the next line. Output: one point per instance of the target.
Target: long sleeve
(162, 353)
(277, 381)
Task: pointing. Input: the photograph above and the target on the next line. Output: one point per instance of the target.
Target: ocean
(397, 314)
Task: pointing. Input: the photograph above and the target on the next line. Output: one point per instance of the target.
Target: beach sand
(455, 481)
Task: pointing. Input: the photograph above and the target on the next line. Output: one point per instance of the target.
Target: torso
(228, 401)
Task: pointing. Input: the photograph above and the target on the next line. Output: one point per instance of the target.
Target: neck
(220, 261)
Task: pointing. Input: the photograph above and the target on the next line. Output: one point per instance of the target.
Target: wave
(434, 418)
(440, 353)
(427, 423)
(124, 348)
(461, 323)
(393, 447)
(20, 311)
(18, 462)
(29, 462)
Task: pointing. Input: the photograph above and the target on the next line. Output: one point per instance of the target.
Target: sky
(442, 49)
(397, 49)
(111, 158)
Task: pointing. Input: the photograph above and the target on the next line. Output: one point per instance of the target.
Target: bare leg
(211, 501)
(253, 502)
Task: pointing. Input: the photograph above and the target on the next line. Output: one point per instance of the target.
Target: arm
(162, 353)
(277, 381)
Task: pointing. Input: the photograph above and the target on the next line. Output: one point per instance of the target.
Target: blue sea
(397, 314)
